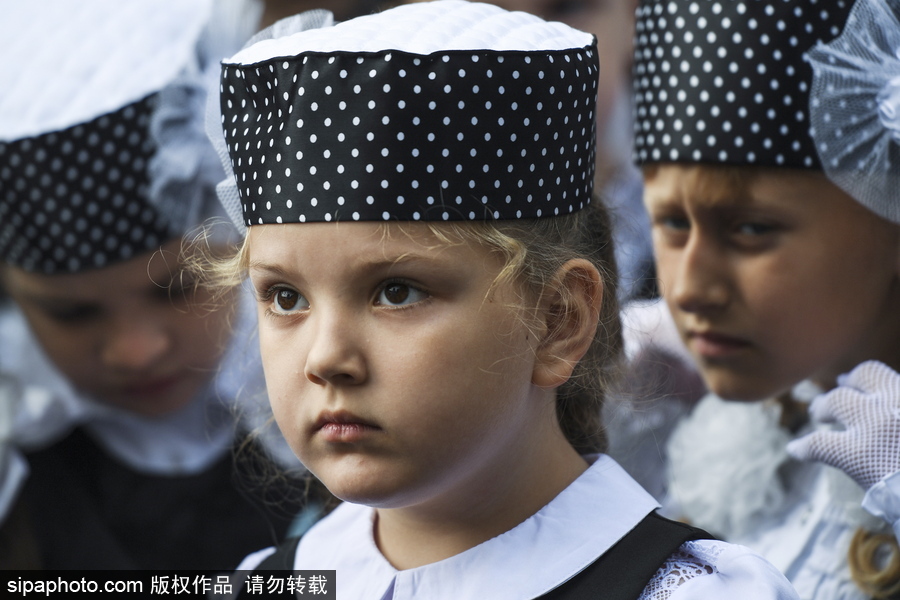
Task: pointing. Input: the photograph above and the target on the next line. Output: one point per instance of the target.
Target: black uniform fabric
(88, 511)
(624, 570)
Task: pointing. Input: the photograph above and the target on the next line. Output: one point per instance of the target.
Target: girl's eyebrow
(363, 264)
(256, 265)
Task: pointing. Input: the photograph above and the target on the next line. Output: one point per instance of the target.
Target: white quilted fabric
(57, 69)
(411, 28)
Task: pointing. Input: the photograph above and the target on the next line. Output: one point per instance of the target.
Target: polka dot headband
(481, 114)
(108, 158)
(726, 81)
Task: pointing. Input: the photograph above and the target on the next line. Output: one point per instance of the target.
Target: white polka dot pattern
(76, 199)
(457, 135)
(726, 81)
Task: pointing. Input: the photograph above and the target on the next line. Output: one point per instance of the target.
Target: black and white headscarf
(437, 111)
(727, 81)
(103, 154)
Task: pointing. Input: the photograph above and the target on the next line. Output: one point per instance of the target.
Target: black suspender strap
(624, 570)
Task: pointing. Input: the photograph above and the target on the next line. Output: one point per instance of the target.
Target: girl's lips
(715, 345)
(151, 387)
(343, 426)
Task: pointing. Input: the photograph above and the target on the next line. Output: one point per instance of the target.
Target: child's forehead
(714, 184)
(727, 184)
(792, 193)
(147, 272)
(368, 240)
(350, 254)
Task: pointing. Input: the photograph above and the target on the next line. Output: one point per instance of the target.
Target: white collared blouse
(536, 556)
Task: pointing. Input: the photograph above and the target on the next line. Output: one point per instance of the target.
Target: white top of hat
(70, 61)
(424, 28)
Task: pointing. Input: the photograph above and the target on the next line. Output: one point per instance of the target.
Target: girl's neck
(485, 506)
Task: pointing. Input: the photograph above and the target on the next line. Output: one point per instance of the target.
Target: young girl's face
(397, 370)
(774, 280)
(133, 335)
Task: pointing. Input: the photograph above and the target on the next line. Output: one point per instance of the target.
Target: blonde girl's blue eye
(286, 301)
(399, 294)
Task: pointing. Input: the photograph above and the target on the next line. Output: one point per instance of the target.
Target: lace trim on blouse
(688, 562)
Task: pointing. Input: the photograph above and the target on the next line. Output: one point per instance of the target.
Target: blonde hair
(533, 249)
(875, 564)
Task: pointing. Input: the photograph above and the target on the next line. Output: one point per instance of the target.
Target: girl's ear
(569, 313)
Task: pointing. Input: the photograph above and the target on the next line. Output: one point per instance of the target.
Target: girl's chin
(366, 496)
(368, 489)
(354, 485)
(377, 479)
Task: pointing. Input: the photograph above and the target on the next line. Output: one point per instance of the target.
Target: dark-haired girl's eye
(286, 301)
(400, 294)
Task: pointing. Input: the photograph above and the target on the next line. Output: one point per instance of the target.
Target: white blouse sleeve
(883, 500)
(712, 569)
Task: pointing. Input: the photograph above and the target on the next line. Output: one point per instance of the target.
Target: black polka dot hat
(726, 81)
(103, 154)
(436, 111)
(855, 107)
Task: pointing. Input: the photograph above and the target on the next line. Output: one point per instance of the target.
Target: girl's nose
(700, 283)
(335, 356)
(136, 345)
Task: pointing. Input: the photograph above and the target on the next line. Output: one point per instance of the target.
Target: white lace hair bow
(855, 107)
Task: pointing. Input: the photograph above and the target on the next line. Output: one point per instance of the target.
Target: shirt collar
(550, 547)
